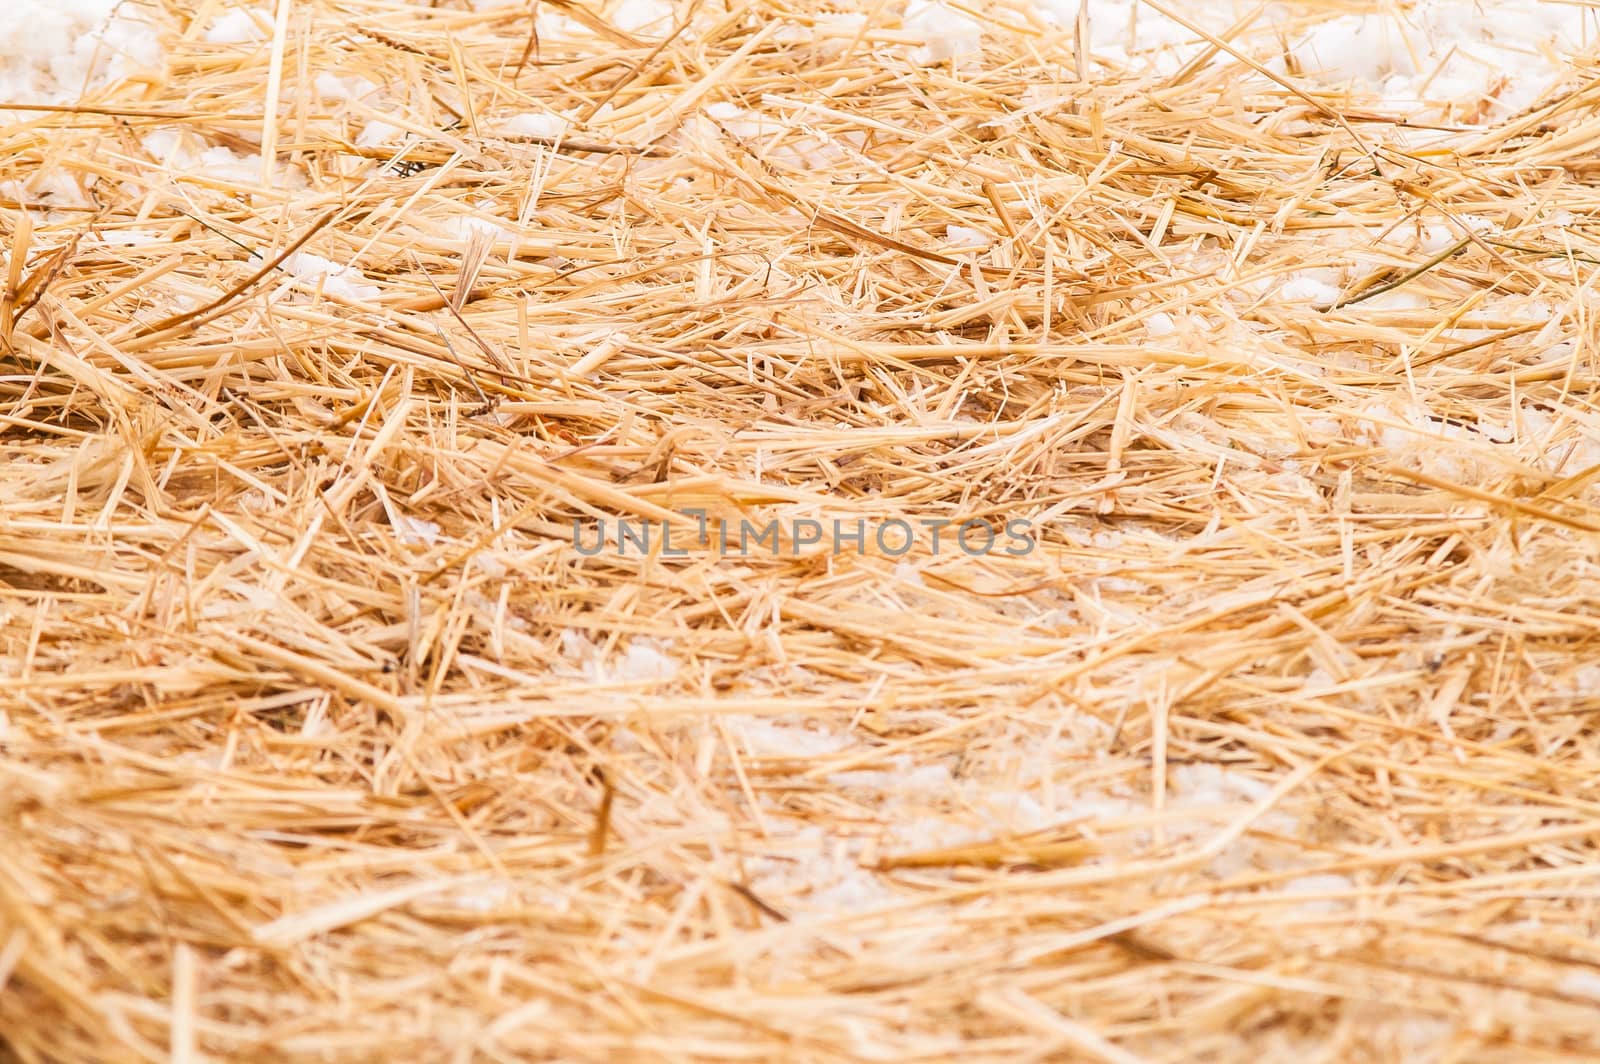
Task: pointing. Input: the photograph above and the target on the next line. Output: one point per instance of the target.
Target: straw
(326, 735)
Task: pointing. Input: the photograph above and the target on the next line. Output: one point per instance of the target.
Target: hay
(322, 740)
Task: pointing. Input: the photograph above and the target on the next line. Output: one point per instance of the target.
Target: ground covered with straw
(322, 739)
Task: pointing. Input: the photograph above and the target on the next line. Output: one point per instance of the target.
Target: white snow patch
(1453, 58)
(1319, 287)
(1459, 60)
(1369, 47)
(536, 124)
(127, 238)
(332, 87)
(907, 778)
(228, 165)
(334, 279)
(906, 573)
(414, 531)
(643, 17)
(485, 899)
(945, 32)
(964, 236)
(738, 121)
(1128, 31)
(818, 875)
(829, 31)
(185, 152)
(1581, 984)
(47, 188)
(642, 660)
(1397, 299)
(239, 26)
(1436, 237)
(1326, 883)
(53, 50)
(1416, 438)
(1586, 680)
(466, 226)
(377, 133)
(785, 737)
(1203, 783)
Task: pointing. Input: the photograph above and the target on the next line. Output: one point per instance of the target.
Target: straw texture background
(321, 742)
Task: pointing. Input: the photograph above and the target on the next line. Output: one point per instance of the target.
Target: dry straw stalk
(321, 741)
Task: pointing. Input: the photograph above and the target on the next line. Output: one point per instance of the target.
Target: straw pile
(322, 741)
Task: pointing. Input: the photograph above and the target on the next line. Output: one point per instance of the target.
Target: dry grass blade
(427, 427)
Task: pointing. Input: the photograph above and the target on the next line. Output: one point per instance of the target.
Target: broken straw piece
(598, 357)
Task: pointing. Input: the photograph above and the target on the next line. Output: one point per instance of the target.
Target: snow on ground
(332, 278)
(239, 26)
(1022, 787)
(1456, 61)
(1467, 62)
(1497, 58)
(536, 124)
(1490, 61)
(53, 50)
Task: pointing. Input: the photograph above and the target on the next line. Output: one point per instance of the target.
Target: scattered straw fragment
(341, 719)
